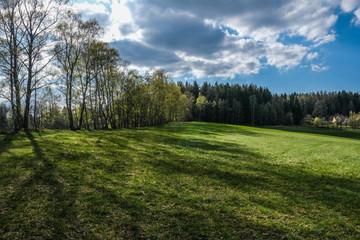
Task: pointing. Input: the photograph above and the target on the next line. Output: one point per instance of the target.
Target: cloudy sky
(297, 45)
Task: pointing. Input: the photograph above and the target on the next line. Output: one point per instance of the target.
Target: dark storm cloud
(211, 8)
(257, 13)
(142, 55)
(177, 30)
(182, 33)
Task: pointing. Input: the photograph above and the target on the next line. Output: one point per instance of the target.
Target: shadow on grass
(342, 133)
(248, 173)
(41, 206)
(6, 141)
(206, 128)
(248, 169)
(251, 173)
(170, 186)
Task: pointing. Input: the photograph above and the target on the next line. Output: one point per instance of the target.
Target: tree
(265, 113)
(10, 52)
(253, 105)
(3, 116)
(354, 120)
(67, 53)
(38, 18)
(237, 110)
(320, 122)
(320, 109)
(201, 102)
(91, 31)
(190, 106)
(278, 114)
(338, 120)
(308, 120)
(351, 106)
(316, 122)
(104, 62)
(75, 55)
(297, 113)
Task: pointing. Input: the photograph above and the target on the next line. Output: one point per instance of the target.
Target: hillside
(181, 181)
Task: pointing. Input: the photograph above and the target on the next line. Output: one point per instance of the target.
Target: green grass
(181, 181)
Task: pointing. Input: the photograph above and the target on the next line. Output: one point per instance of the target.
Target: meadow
(189, 180)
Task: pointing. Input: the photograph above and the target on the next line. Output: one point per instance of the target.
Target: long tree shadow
(249, 172)
(8, 168)
(106, 196)
(206, 128)
(107, 205)
(6, 142)
(342, 133)
(143, 203)
(248, 159)
(46, 205)
(246, 172)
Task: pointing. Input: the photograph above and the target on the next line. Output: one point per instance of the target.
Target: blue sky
(287, 46)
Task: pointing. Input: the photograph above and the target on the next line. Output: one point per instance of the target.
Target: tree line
(57, 73)
(252, 105)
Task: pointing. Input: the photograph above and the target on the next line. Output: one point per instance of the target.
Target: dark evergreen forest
(252, 105)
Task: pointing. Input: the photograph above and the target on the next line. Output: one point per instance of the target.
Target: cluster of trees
(338, 121)
(125, 99)
(354, 120)
(248, 104)
(25, 45)
(56, 73)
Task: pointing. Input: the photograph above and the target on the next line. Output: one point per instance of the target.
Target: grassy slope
(184, 180)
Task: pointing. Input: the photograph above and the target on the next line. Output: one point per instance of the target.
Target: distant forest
(252, 105)
(56, 73)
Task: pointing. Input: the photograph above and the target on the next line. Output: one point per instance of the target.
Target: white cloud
(352, 6)
(114, 16)
(318, 68)
(121, 23)
(210, 38)
(103, 1)
(312, 56)
(349, 5)
(90, 9)
(282, 56)
(356, 20)
(325, 39)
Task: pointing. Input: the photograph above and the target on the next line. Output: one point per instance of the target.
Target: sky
(285, 45)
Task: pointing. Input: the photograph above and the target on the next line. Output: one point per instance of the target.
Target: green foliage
(339, 121)
(308, 120)
(320, 122)
(190, 180)
(201, 102)
(354, 120)
(3, 116)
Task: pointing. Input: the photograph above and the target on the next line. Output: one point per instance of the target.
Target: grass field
(181, 181)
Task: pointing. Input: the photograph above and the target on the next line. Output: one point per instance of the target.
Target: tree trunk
(69, 103)
(28, 90)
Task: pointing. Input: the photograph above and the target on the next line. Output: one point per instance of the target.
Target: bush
(320, 122)
(354, 120)
(308, 120)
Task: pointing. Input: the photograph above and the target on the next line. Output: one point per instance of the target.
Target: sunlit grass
(181, 181)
